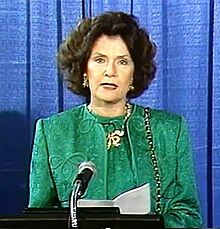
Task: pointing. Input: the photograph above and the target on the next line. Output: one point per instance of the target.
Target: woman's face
(110, 70)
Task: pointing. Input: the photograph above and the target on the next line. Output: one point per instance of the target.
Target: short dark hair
(74, 52)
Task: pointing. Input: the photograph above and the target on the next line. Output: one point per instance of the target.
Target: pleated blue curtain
(216, 115)
(14, 129)
(186, 33)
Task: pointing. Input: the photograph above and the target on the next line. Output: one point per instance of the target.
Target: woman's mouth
(111, 86)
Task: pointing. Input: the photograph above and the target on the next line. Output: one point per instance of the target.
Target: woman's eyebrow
(122, 56)
(101, 54)
(97, 53)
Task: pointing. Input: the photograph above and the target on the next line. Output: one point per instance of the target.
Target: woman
(110, 59)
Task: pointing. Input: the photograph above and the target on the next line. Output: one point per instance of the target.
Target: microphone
(87, 171)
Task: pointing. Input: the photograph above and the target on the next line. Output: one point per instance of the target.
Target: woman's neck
(108, 109)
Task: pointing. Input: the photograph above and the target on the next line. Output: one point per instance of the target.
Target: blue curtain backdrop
(187, 36)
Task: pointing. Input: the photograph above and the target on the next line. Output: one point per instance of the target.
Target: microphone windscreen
(87, 170)
(87, 165)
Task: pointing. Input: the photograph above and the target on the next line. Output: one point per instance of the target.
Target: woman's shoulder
(69, 114)
(164, 121)
(165, 115)
(162, 116)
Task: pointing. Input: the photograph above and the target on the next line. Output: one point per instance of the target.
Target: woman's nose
(110, 70)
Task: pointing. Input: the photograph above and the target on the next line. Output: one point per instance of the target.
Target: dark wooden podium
(88, 218)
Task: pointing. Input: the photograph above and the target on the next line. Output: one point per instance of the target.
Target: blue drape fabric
(187, 36)
(216, 115)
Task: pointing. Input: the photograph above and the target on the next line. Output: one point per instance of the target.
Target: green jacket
(66, 139)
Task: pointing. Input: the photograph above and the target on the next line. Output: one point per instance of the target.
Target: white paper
(135, 201)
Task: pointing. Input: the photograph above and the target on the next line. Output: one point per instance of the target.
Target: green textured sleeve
(183, 210)
(42, 192)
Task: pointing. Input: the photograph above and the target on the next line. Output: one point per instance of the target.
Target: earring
(131, 87)
(85, 80)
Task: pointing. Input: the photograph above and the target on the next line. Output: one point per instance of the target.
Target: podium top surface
(87, 218)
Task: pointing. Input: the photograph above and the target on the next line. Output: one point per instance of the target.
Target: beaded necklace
(154, 160)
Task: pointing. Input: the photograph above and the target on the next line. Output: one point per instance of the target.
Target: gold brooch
(113, 139)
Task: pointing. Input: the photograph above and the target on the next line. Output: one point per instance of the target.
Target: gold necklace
(113, 139)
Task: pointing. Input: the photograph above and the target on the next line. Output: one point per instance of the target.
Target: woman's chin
(111, 99)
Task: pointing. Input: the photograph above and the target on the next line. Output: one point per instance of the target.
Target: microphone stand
(75, 195)
(86, 172)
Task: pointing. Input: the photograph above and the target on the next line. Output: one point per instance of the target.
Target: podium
(88, 218)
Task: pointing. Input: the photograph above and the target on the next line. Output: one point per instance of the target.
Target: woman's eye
(99, 60)
(123, 62)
